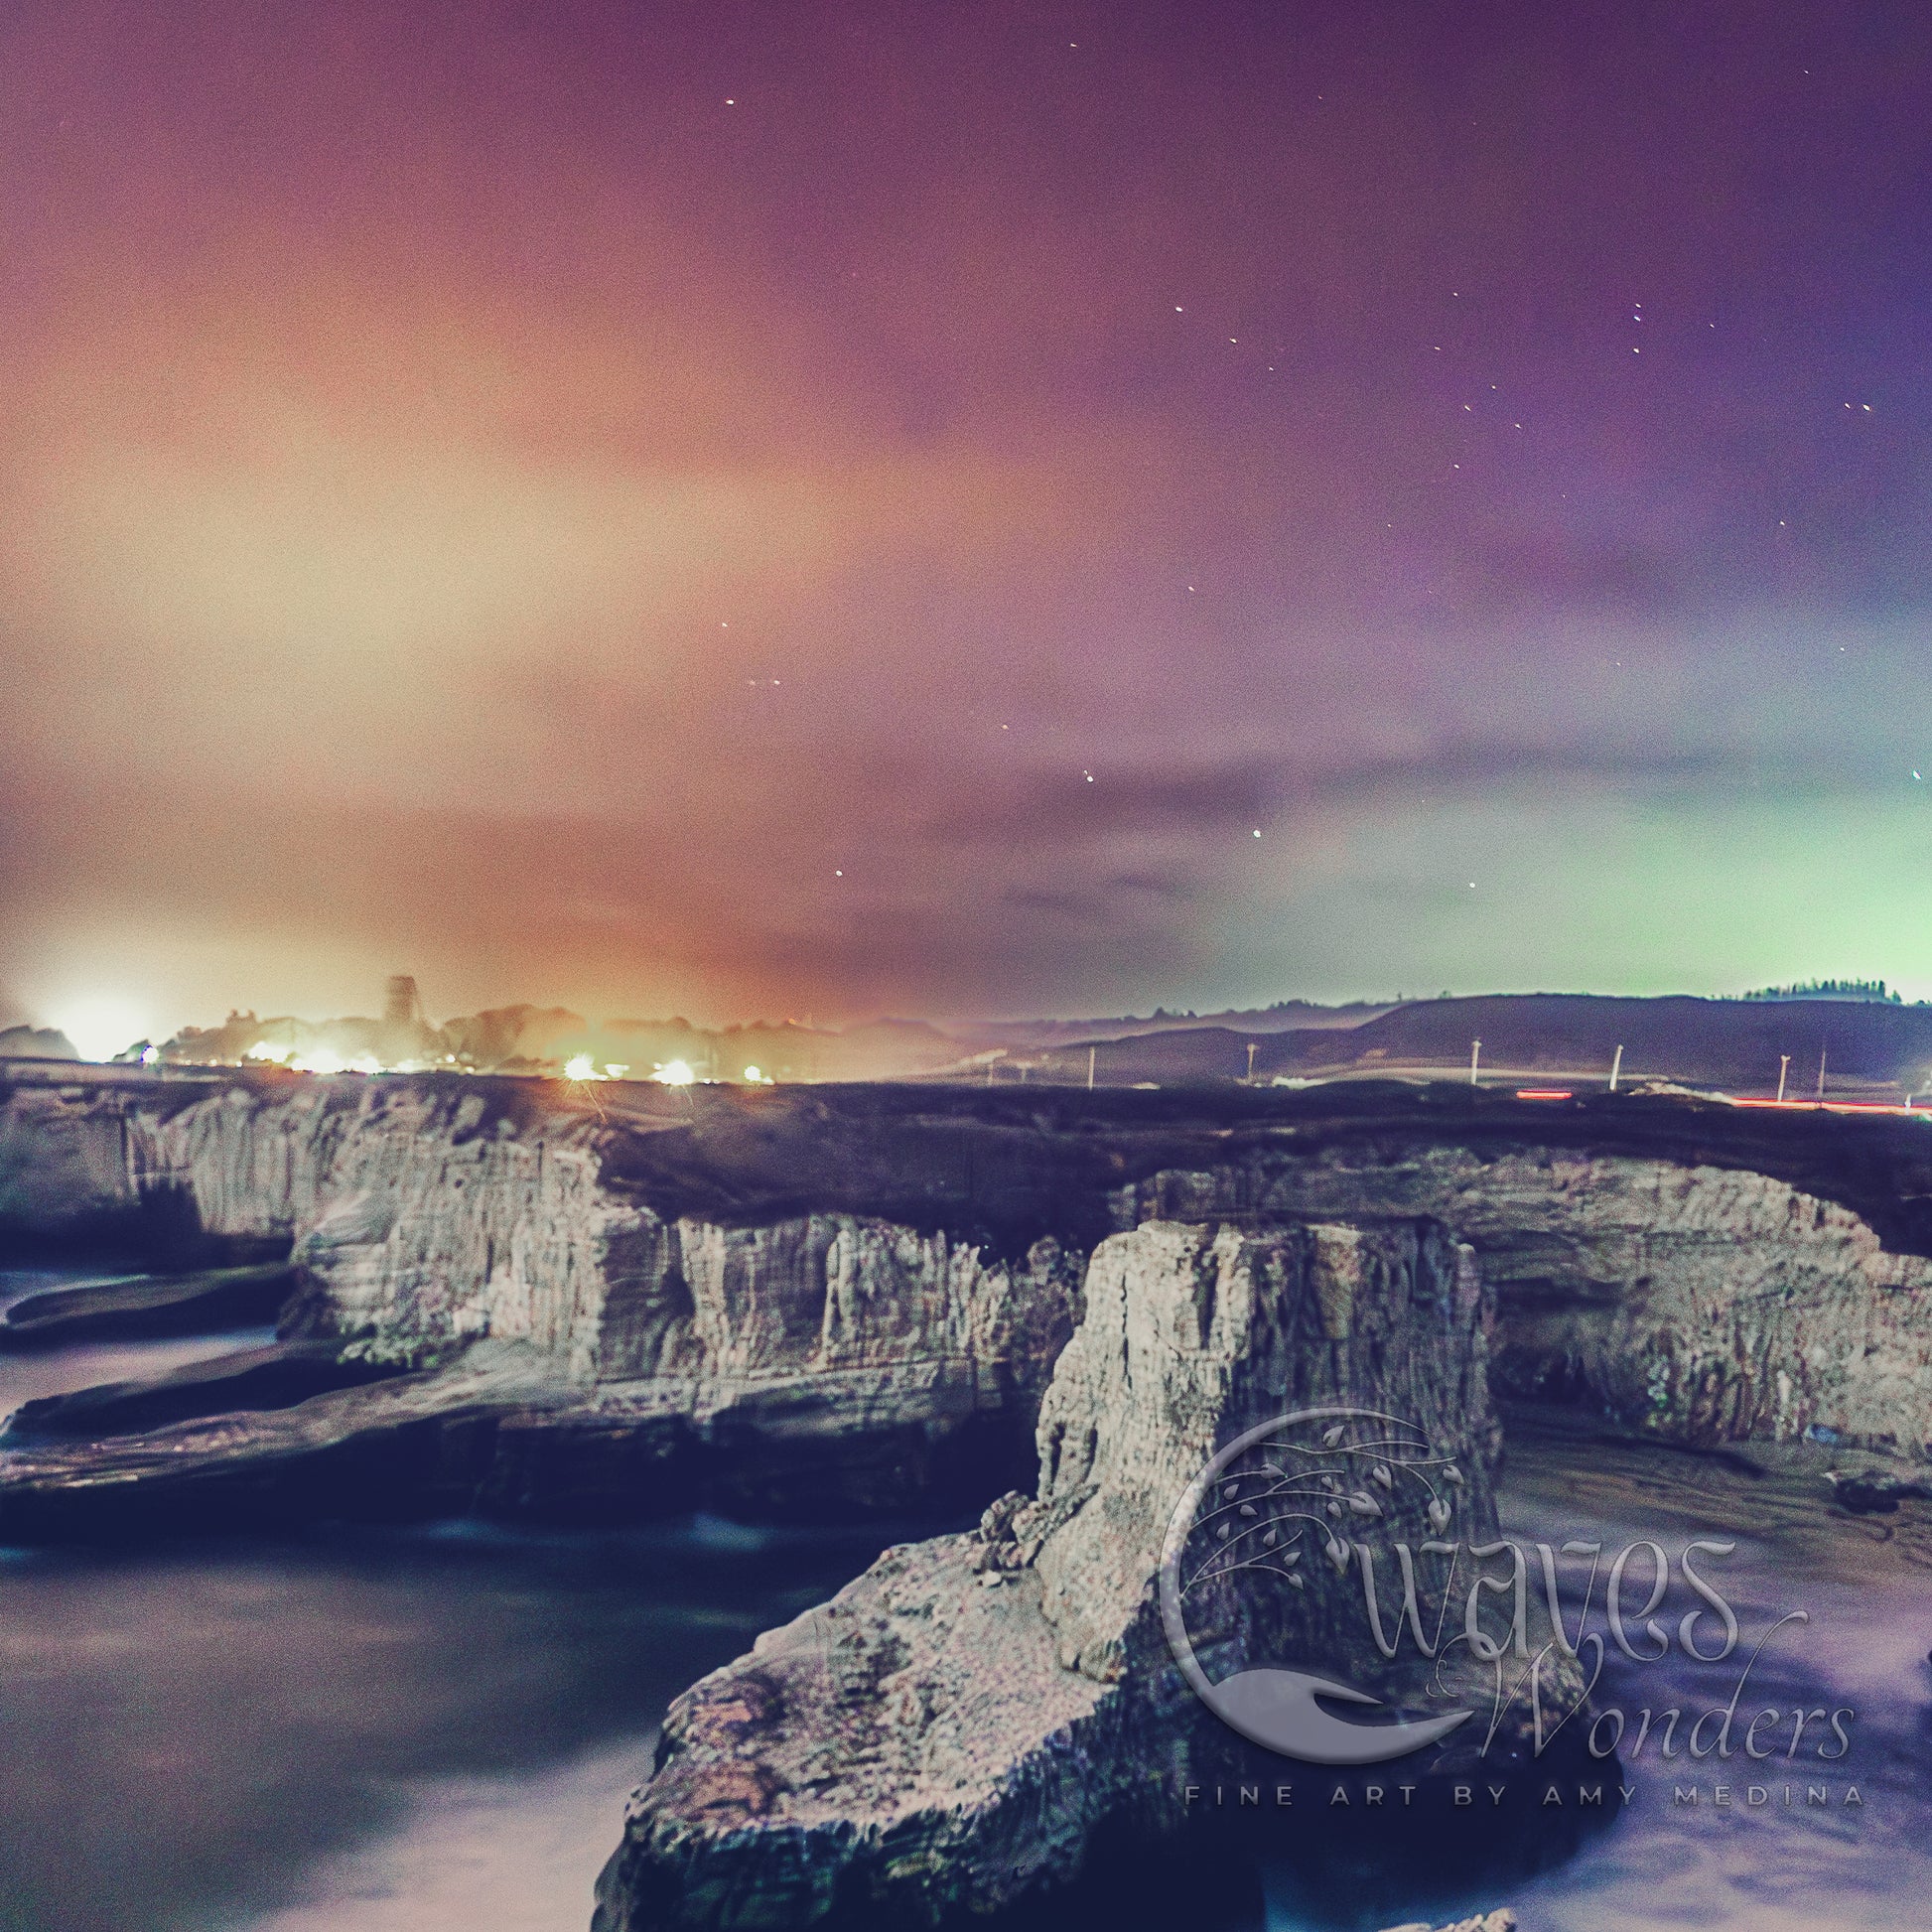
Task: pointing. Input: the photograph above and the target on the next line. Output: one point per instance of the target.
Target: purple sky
(832, 508)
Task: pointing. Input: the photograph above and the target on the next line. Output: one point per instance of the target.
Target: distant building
(402, 1005)
(403, 1036)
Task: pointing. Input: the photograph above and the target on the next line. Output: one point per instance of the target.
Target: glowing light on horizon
(100, 1025)
(674, 1073)
(579, 1066)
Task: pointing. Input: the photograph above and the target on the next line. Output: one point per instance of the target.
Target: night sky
(950, 508)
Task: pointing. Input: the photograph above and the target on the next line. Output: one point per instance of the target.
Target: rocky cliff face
(425, 1214)
(1704, 1303)
(954, 1728)
(897, 1266)
(425, 1218)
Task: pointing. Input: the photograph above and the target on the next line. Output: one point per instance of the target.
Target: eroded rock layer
(846, 1294)
(1709, 1303)
(638, 1357)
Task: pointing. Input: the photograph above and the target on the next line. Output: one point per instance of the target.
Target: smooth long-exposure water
(349, 1730)
(359, 1730)
(1862, 1588)
(1837, 1607)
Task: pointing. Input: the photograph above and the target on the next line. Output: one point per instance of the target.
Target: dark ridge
(205, 1302)
(276, 1376)
(1009, 1165)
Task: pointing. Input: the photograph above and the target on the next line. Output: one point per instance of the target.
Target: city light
(99, 1026)
(674, 1073)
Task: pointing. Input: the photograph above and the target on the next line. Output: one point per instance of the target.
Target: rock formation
(855, 1295)
(1502, 1920)
(1704, 1303)
(641, 1358)
(558, 1302)
(954, 1728)
(203, 1301)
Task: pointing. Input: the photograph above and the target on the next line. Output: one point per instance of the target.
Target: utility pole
(1784, 1067)
(1616, 1067)
(1820, 1074)
(1251, 1062)
(1476, 1057)
(1091, 1051)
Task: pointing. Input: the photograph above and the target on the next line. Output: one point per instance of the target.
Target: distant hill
(1872, 1049)
(35, 1043)
(1034, 1036)
(1729, 1043)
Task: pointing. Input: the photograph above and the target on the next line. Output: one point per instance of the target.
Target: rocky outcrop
(1703, 1303)
(855, 1295)
(278, 1375)
(1502, 1920)
(204, 1302)
(400, 1448)
(954, 1728)
(822, 1359)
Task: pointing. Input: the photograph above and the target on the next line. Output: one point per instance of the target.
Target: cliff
(1703, 1303)
(594, 1302)
(645, 1359)
(854, 1297)
(958, 1727)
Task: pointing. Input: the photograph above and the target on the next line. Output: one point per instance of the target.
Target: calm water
(421, 1732)
(1865, 1587)
(349, 1730)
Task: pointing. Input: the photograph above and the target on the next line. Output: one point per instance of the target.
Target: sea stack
(954, 1729)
